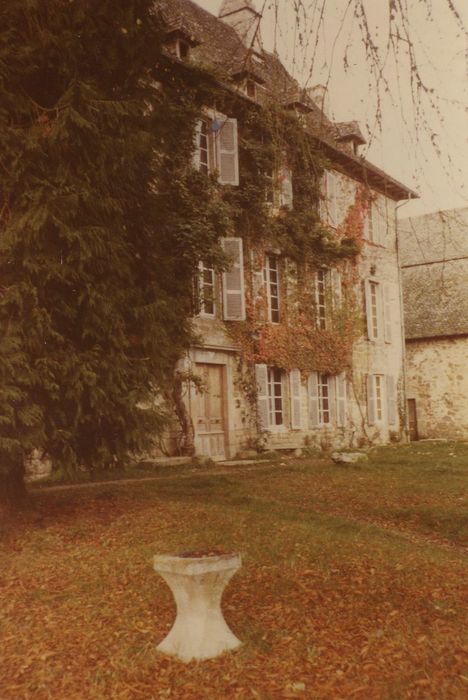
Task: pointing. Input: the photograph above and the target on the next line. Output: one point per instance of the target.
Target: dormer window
(179, 42)
(182, 50)
(251, 89)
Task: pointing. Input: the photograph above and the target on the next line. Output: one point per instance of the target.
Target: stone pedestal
(197, 584)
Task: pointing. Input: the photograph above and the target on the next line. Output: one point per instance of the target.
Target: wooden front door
(209, 418)
(412, 420)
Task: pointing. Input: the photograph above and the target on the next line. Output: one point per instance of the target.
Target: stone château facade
(244, 399)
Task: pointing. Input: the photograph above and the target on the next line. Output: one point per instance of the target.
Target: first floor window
(275, 396)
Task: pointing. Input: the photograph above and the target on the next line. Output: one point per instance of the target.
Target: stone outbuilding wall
(434, 257)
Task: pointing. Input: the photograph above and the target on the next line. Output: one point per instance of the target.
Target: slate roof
(219, 46)
(434, 259)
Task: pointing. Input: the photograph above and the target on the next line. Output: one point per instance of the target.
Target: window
(251, 88)
(378, 384)
(271, 278)
(321, 298)
(381, 399)
(178, 47)
(203, 146)
(275, 396)
(271, 397)
(375, 221)
(216, 148)
(319, 398)
(183, 50)
(324, 398)
(279, 189)
(207, 284)
(378, 298)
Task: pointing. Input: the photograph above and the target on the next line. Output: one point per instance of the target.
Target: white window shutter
(295, 395)
(331, 198)
(370, 399)
(313, 399)
(196, 142)
(233, 281)
(375, 221)
(337, 290)
(286, 190)
(368, 223)
(341, 399)
(387, 306)
(368, 308)
(391, 400)
(261, 376)
(228, 157)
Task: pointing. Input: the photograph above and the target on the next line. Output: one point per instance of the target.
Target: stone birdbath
(197, 581)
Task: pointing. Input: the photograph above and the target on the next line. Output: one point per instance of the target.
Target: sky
(421, 137)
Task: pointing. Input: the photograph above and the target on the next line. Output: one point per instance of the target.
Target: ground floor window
(275, 396)
(378, 397)
(324, 398)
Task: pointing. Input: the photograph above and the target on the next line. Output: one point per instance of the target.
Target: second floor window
(216, 148)
(375, 222)
(271, 278)
(374, 308)
(321, 298)
(379, 300)
(204, 147)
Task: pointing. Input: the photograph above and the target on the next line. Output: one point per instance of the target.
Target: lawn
(352, 585)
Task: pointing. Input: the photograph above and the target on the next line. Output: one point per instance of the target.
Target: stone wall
(437, 379)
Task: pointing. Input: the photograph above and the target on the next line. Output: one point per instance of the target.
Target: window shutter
(337, 291)
(295, 391)
(196, 143)
(261, 376)
(387, 305)
(391, 400)
(368, 222)
(368, 310)
(331, 197)
(313, 399)
(286, 193)
(370, 399)
(375, 221)
(341, 399)
(228, 159)
(233, 281)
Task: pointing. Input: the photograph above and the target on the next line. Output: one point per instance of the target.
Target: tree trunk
(12, 487)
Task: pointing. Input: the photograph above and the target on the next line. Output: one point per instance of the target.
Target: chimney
(242, 16)
(319, 94)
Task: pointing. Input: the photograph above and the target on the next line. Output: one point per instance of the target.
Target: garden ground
(352, 585)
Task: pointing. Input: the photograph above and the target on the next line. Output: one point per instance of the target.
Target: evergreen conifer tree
(98, 243)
